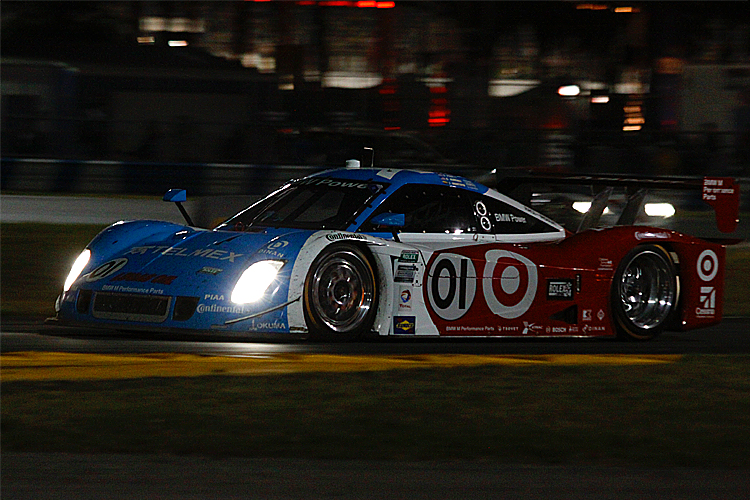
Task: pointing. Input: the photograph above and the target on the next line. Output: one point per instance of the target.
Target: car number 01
(452, 282)
(451, 285)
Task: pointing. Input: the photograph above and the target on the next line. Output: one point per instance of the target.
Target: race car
(356, 252)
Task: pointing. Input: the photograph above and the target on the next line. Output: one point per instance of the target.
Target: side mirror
(177, 196)
(389, 219)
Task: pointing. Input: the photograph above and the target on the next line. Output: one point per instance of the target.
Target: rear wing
(721, 193)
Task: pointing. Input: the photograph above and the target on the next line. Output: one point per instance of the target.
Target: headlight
(78, 266)
(255, 280)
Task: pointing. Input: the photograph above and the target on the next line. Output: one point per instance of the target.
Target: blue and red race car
(355, 251)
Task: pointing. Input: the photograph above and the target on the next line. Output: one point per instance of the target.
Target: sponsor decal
(506, 329)
(716, 186)
(409, 256)
(723, 194)
(587, 315)
(471, 329)
(275, 248)
(216, 308)
(480, 208)
(344, 236)
(510, 218)
(518, 283)
(213, 296)
(405, 274)
(591, 328)
(600, 315)
(405, 304)
(451, 285)
(404, 324)
(106, 269)
(266, 326)
(509, 283)
(160, 279)
(531, 328)
(334, 183)
(207, 253)
(605, 264)
(453, 181)
(209, 270)
(132, 289)
(648, 235)
(707, 309)
(484, 220)
(708, 265)
(560, 289)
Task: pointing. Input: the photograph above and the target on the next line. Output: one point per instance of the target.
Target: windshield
(313, 203)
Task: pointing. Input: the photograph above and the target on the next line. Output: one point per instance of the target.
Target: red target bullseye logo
(509, 283)
(708, 265)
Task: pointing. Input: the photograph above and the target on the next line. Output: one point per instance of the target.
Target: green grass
(695, 412)
(35, 260)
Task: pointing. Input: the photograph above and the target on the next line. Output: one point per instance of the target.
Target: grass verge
(691, 413)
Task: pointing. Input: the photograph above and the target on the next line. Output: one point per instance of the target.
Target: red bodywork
(564, 288)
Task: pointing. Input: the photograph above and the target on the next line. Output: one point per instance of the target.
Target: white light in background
(569, 90)
(659, 210)
(584, 206)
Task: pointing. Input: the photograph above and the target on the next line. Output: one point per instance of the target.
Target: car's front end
(182, 278)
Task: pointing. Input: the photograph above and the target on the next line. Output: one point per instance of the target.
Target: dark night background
(662, 86)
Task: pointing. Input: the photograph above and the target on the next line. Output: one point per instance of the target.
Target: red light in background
(337, 3)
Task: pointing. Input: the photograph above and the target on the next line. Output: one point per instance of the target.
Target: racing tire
(645, 290)
(341, 294)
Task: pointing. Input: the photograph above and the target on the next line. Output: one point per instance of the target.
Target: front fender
(384, 253)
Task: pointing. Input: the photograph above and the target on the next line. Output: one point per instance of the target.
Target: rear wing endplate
(721, 193)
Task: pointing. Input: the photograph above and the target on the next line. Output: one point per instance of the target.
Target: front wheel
(340, 293)
(644, 292)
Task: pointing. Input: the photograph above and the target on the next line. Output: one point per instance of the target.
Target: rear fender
(701, 269)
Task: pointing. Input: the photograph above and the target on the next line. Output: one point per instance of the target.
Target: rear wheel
(644, 292)
(340, 293)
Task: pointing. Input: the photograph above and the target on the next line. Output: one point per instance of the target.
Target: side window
(430, 209)
(498, 217)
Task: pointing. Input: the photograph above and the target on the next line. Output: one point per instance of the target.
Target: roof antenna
(372, 156)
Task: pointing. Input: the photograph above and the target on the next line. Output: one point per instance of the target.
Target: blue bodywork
(163, 276)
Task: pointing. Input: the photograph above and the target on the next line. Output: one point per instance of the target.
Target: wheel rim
(342, 291)
(647, 290)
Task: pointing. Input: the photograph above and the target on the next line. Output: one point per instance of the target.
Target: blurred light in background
(569, 90)
(659, 210)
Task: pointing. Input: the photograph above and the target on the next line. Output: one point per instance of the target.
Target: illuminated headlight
(255, 280)
(78, 266)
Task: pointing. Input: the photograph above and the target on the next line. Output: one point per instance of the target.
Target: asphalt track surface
(69, 476)
(732, 336)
